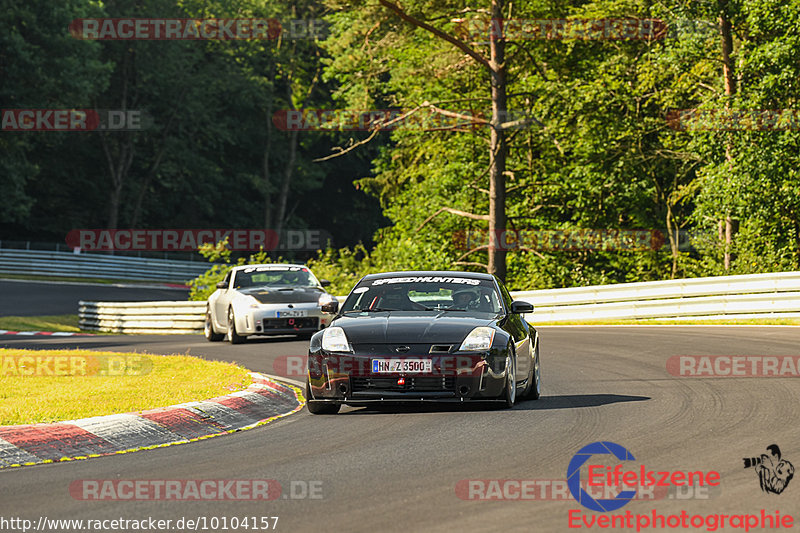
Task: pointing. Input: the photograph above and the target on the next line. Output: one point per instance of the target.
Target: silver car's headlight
(334, 340)
(479, 340)
(325, 298)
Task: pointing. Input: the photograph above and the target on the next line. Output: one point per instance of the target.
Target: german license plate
(388, 366)
(291, 314)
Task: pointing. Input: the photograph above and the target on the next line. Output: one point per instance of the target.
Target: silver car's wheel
(208, 329)
(232, 336)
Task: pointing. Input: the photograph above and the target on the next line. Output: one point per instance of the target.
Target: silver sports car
(273, 299)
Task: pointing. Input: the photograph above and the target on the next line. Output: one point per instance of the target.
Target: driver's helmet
(396, 298)
(465, 297)
(290, 278)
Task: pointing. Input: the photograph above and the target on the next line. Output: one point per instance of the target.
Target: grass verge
(104, 383)
(40, 323)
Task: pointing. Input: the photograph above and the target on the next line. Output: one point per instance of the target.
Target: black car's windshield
(424, 293)
(288, 277)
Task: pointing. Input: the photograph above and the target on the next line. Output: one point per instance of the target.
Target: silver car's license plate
(291, 314)
(388, 366)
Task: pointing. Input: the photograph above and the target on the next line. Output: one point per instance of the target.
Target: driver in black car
(465, 299)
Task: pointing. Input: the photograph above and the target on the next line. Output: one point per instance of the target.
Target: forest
(553, 143)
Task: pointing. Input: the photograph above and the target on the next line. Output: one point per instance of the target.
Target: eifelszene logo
(774, 473)
(599, 475)
(574, 476)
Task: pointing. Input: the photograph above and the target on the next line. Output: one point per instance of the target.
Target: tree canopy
(568, 125)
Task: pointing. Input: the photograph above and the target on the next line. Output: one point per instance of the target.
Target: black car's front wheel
(533, 389)
(319, 408)
(510, 390)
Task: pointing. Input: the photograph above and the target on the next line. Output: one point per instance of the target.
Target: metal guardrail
(142, 317)
(747, 296)
(96, 266)
(751, 296)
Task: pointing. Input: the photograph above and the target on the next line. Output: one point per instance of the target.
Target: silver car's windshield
(424, 293)
(272, 276)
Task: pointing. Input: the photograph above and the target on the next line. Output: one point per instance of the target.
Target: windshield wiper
(372, 310)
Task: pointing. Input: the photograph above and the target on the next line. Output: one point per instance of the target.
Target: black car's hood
(402, 328)
(282, 294)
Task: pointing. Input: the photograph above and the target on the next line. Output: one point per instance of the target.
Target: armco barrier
(747, 296)
(751, 296)
(98, 266)
(142, 317)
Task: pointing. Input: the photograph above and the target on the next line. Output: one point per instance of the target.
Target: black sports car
(424, 336)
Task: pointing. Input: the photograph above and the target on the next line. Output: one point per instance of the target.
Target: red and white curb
(48, 333)
(265, 400)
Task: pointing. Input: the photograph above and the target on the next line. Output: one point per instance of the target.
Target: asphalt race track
(398, 470)
(33, 298)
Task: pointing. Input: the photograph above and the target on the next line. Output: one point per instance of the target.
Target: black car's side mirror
(330, 307)
(222, 285)
(519, 307)
(324, 282)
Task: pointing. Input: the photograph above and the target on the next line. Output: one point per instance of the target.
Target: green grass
(40, 323)
(677, 321)
(158, 381)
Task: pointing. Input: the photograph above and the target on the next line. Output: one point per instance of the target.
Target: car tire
(533, 390)
(234, 337)
(319, 408)
(510, 390)
(208, 329)
(305, 336)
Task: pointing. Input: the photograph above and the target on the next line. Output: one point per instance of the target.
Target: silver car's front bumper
(271, 319)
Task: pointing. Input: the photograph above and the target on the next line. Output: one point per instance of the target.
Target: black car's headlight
(334, 340)
(479, 340)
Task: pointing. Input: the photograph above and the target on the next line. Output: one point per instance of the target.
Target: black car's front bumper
(348, 378)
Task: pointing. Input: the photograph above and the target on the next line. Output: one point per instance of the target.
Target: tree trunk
(118, 167)
(672, 233)
(287, 179)
(266, 174)
(267, 153)
(730, 90)
(499, 147)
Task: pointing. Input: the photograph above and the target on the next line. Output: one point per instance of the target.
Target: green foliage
(204, 285)
(602, 154)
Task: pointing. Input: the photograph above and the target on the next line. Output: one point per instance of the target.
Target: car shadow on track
(571, 401)
(566, 401)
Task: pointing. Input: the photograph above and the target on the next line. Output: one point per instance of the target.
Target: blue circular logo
(574, 476)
